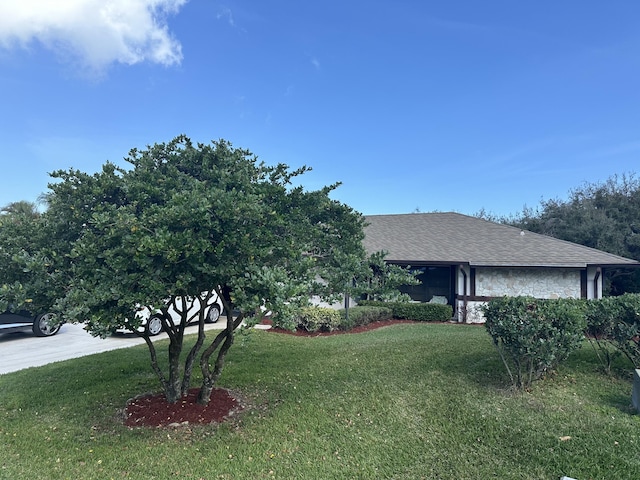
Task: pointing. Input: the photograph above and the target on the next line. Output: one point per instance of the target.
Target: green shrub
(627, 330)
(615, 321)
(363, 315)
(424, 312)
(533, 336)
(318, 319)
(601, 317)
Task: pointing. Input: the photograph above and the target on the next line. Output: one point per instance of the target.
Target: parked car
(41, 325)
(152, 323)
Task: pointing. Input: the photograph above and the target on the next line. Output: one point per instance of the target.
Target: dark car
(42, 325)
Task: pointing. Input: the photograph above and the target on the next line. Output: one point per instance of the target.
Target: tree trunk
(209, 378)
(173, 391)
(189, 362)
(154, 363)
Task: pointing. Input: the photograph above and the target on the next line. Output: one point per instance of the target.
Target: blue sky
(412, 104)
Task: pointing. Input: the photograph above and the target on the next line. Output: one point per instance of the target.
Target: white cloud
(225, 13)
(94, 32)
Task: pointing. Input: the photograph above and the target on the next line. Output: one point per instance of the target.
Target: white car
(152, 322)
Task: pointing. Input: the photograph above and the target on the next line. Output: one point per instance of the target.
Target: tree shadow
(620, 402)
(480, 369)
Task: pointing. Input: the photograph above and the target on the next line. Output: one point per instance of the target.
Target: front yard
(406, 401)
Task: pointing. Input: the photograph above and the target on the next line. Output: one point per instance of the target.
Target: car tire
(154, 326)
(43, 327)
(213, 315)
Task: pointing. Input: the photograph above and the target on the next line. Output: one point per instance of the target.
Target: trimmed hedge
(318, 319)
(423, 312)
(615, 321)
(363, 315)
(532, 335)
(323, 319)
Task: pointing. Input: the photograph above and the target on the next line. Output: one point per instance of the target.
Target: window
(435, 281)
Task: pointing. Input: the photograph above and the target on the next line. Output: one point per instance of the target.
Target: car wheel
(44, 325)
(213, 315)
(154, 326)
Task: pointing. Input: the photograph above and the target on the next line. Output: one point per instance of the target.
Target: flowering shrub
(533, 336)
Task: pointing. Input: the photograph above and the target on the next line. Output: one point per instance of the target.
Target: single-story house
(466, 261)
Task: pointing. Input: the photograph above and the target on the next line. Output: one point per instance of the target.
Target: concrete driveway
(23, 350)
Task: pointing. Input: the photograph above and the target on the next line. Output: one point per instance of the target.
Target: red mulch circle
(155, 411)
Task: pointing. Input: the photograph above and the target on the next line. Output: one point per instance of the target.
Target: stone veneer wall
(533, 282)
(513, 282)
(473, 313)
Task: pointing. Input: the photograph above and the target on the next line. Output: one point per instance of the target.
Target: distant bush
(323, 319)
(424, 312)
(363, 315)
(318, 319)
(627, 330)
(615, 321)
(533, 336)
(601, 317)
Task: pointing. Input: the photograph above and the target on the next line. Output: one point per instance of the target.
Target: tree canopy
(26, 261)
(186, 219)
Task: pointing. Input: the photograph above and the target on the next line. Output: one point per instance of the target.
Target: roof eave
(580, 265)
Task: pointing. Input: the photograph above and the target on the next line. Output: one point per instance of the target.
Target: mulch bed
(360, 329)
(155, 411)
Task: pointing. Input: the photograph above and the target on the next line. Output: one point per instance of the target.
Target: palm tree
(21, 208)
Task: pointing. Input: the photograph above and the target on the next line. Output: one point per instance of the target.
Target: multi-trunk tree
(181, 220)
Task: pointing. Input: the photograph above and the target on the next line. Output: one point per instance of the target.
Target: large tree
(185, 219)
(604, 215)
(29, 279)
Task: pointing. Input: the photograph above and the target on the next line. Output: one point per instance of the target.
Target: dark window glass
(435, 282)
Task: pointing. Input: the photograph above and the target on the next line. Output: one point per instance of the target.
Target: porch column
(594, 282)
(463, 290)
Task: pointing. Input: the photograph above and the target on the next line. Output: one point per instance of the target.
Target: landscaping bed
(359, 329)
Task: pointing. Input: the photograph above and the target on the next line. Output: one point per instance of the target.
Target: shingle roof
(461, 239)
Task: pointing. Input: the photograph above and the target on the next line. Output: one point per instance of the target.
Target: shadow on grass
(482, 370)
(620, 402)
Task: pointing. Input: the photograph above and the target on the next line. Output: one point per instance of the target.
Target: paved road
(23, 350)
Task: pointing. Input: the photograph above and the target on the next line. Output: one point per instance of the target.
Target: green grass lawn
(409, 401)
